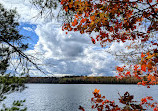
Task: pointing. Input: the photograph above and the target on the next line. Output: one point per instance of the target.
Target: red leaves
(102, 104)
(83, 20)
(143, 100)
(143, 67)
(146, 70)
(120, 69)
(128, 73)
(117, 22)
(142, 55)
(95, 16)
(93, 40)
(155, 109)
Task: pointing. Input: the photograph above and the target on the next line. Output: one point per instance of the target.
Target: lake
(68, 97)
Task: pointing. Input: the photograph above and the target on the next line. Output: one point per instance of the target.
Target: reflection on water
(68, 97)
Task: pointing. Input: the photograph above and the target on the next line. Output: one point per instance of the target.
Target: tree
(117, 21)
(12, 47)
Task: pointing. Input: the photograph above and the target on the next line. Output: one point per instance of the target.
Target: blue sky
(28, 30)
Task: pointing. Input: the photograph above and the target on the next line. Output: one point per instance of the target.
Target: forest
(82, 80)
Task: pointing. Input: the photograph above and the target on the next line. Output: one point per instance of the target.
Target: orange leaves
(143, 100)
(102, 104)
(103, 14)
(128, 73)
(74, 23)
(96, 91)
(66, 8)
(120, 21)
(70, 6)
(156, 108)
(146, 70)
(142, 55)
(86, 14)
(120, 69)
(83, 20)
(92, 17)
(150, 66)
(143, 67)
(136, 67)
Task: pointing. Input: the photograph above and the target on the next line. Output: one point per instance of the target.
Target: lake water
(68, 97)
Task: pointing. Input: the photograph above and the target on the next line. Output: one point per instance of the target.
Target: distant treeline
(82, 80)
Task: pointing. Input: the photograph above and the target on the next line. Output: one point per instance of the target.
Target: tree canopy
(12, 47)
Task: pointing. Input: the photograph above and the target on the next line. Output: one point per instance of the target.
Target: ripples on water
(68, 97)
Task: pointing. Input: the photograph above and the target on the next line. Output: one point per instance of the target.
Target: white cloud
(28, 29)
(28, 13)
(73, 53)
(59, 53)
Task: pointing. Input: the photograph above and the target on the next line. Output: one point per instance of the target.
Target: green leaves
(16, 106)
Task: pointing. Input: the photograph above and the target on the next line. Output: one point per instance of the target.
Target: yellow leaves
(150, 56)
(92, 23)
(102, 15)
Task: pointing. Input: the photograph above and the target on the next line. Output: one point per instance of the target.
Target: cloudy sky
(58, 53)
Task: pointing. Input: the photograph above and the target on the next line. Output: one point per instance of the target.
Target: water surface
(68, 97)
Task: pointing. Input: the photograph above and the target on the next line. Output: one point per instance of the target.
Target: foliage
(102, 104)
(11, 48)
(82, 80)
(10, 39)
(16, 106)
(119, 21)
